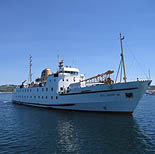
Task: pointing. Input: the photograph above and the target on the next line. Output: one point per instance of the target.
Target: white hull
(120, 97)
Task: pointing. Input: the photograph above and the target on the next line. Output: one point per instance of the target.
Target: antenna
(122, 64)
(149, 74)
(30, 73)
(58, 57)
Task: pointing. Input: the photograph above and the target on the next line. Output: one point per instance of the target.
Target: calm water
(26, 130)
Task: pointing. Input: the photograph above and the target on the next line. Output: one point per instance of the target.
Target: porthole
(61, 88)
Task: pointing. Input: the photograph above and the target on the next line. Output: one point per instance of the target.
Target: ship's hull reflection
(90, 132)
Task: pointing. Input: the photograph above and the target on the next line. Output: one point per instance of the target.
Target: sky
(85, 33)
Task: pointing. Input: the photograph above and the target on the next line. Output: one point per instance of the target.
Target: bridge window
(70, 72)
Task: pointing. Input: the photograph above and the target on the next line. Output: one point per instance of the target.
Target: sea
(30, 130)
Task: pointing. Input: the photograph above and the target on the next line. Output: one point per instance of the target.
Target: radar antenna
(61, 64)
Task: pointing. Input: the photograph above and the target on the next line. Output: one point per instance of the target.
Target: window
(46, 97)
(46, 89)
(42, 97)
(42, 89)
(34, 96)
(66, 79)
(51, 89)
(56, 75)
(56, 97)
(51, 97)
(61, 88)
(37, 89)
(71, 72)
(38, 96)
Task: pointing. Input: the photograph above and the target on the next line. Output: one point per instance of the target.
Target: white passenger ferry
(69, 90)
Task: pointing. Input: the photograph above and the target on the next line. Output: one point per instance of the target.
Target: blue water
(30, 130)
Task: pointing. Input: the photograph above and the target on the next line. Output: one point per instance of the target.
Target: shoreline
(6, 92)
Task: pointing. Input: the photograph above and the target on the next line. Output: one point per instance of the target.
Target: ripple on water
(32, 130)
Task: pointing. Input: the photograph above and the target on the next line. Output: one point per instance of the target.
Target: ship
(67, 89)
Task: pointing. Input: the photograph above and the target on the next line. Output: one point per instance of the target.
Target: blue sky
(85, 33)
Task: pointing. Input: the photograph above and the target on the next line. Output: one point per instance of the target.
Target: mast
(30, 72)
(122, 64)
(122, 57)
